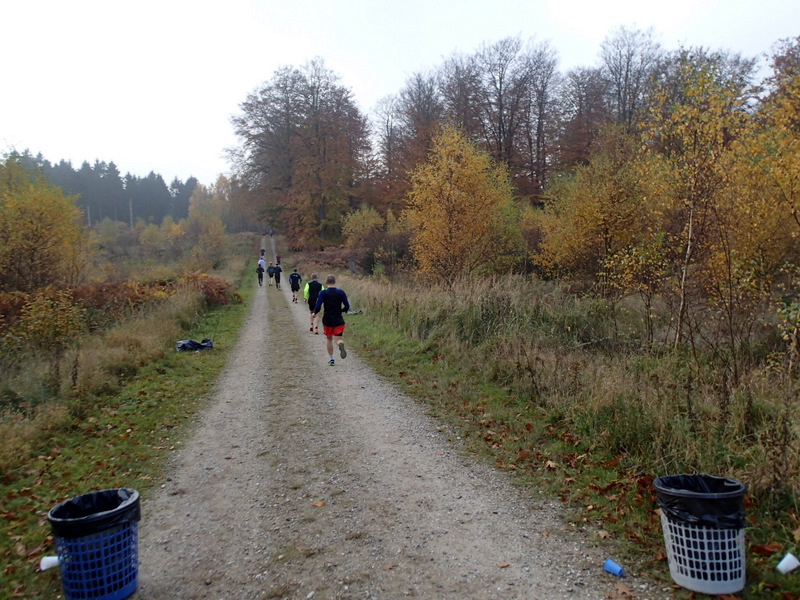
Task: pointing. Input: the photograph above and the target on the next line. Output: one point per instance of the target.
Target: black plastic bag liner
(94, 512)
(193, 345)
(702, 500)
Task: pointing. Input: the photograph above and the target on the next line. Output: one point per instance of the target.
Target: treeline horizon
(308, 156)
(104, 193)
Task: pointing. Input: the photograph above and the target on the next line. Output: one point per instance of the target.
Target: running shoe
(342, 351)
(311, 329)
(316, 330)
(330, 363)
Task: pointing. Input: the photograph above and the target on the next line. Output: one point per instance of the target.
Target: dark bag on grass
(193, 345)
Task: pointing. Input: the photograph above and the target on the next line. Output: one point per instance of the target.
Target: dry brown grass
(568, 359)
(40, 392)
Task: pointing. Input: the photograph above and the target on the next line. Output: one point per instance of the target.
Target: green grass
(121, 440)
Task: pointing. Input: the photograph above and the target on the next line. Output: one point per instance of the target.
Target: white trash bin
(702, 518)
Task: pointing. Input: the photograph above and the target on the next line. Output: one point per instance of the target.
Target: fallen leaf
(550, 465)
(504, 565)
(318, 504)
(622, 591)
(388, 567)
(545, 534)
(603, 534)
(767, 549)
(796, 534)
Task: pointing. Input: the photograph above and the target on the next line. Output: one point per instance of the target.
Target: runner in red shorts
(335, 302)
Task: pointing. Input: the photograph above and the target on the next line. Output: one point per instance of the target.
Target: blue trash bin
(96, 540)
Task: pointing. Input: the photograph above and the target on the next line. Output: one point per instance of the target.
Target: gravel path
(309, 481)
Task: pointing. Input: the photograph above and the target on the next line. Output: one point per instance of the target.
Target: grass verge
(516, 378)
(121, 440)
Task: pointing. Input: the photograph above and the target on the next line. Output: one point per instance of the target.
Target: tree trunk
(686, 260)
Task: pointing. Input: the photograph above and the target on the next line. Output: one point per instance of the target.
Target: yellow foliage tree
(152, 239)
(174, 235)
(42, 241)
(361, 225)
(461, 212)
(694, 120)
(600, 210)
(761, 212)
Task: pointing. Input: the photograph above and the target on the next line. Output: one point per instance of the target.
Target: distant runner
(294, 284)
(260, 271)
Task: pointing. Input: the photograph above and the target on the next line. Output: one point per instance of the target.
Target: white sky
(152, 84)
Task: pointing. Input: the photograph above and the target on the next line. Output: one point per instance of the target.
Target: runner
(310, 293)
(335, 302)
(294, 284)
(260, 271)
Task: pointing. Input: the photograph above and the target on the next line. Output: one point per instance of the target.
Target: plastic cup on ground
(611, 567)
(788, 563)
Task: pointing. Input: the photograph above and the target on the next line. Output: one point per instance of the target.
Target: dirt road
(310, 481)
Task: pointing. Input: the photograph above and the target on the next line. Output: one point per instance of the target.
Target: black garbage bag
(193, 345)
(94, 512)
(702, 500)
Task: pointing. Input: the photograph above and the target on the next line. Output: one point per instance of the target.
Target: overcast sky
(152, 84)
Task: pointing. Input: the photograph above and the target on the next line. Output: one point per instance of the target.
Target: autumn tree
(599, 210)
(405, 126)
(391, 175)
(630, 60)
(699, 110)
(460, 86)
(420, 109)
(461, 212)
(534, 144)
(759, 260)
(42, 241)
(582, 97)
(304, 152)
(362, 228)
(503, 96)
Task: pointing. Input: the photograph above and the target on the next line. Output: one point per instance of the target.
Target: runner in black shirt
(310, 293)
(294, 284)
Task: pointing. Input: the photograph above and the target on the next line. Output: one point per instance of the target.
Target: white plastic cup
(788, 563)
(48, 562)
(611, 567)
